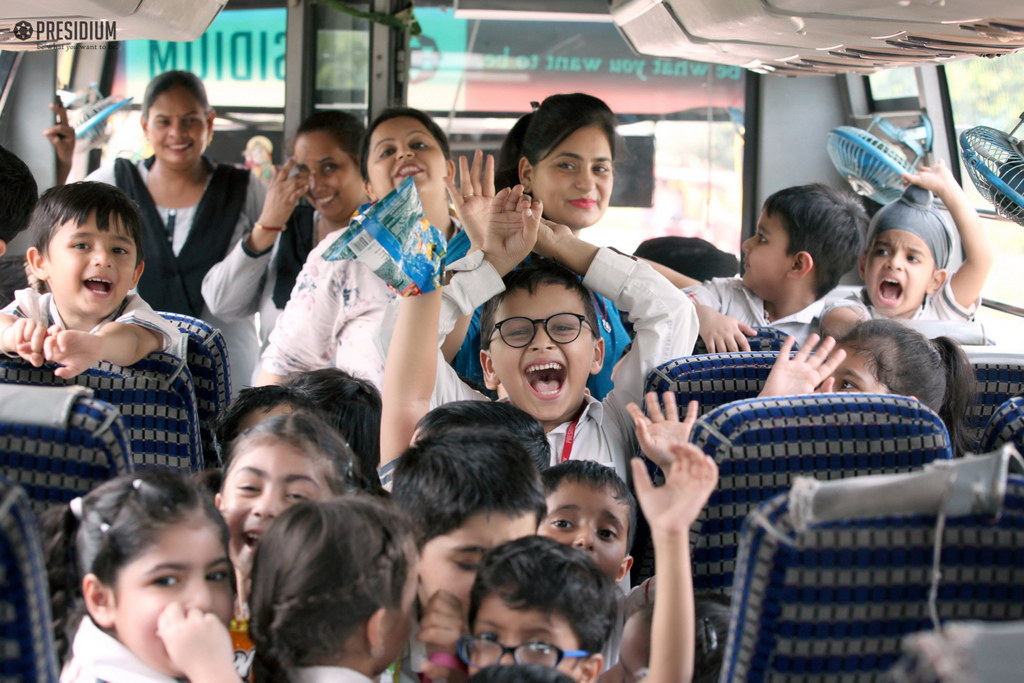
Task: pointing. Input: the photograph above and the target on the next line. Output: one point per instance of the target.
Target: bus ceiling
(45, 24)
(794, 37)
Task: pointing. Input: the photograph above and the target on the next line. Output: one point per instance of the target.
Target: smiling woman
(177, 189)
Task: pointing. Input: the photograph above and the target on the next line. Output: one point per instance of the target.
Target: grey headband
(915, 213)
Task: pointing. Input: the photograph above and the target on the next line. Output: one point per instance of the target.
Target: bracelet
(259, 226)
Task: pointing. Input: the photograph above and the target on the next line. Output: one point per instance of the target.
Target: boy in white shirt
(905, 264)
(87, 248)
(539, 341)
(807, 237)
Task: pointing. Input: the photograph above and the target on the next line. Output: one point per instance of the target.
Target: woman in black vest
(193, 209)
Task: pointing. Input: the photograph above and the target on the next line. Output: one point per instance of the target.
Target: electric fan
(995, 162)
(88, 114)
(873, 166)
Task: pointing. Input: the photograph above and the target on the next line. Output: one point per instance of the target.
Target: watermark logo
(23, 30)
(74, 30)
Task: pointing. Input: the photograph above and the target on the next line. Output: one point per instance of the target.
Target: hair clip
(104, 527)
(710, 636)
(76, 507)
(535, 105)
(137, 484)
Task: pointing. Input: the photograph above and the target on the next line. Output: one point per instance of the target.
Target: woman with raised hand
(260, 272)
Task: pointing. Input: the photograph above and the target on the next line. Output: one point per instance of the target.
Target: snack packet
(396, 241)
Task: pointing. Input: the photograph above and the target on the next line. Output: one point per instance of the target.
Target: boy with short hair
(18, 198)
(467, 490)
(540, 340)
(516, 607)
(909, 245)
(807, 238)
(87, 247)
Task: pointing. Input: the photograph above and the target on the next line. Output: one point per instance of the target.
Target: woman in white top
(261, 270)
(178, 189)
(335, 308)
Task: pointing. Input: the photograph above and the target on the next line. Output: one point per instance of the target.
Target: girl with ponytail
(885, 357)
(332, 592)
(139, 575)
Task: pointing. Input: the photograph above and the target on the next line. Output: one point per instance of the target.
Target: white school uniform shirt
(664, 320)
(942, 305)
(327, 674)
(96, 656)
(729, 296)
(28, 303)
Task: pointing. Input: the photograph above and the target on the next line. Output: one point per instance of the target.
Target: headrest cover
(916, 213)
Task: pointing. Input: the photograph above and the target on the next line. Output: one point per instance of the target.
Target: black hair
(935, 371)
(175, 79)
(311, 435)
(443, 480)
(346, 130)
(120, 520)
(598, 477)
(828, 224)
(522, 426)
(537, 134)
(77, 202)
(352, 406)
(691, 256)
(251, 400)
(519, 673)
(12, 278)
(320, 572)
(534, 572)
(711, 618)
(19, 195)
(397, 113)
(530, 277)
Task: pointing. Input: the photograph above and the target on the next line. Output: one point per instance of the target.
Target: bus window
(893, 89)
(990, 92)
(342, 60)
(682, 120)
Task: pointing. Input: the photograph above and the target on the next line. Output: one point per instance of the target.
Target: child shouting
(87, 248)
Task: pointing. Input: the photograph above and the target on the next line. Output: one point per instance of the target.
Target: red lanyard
(570, 434)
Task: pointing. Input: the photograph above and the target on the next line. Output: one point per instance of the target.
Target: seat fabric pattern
(833, 602)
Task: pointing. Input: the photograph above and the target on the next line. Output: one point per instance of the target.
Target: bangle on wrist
(260, 226)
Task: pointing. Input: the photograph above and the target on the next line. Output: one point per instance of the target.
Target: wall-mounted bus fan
(995, 162)
(89, 114)
(873, 165)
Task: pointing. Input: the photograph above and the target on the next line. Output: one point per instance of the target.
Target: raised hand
(473, 201)
(690, 478)
(721, 333)
(937, 178)
(25, 337)
(62, 137)
(198, 643)
(440, 629)
(805, 372)
(512, 225)
(550, 236)
(76, 351)
(658, 432)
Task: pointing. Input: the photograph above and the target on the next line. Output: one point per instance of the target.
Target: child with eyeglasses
(540, 340)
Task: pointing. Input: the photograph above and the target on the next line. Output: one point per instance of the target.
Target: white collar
(103, 657)
(327, 674)
(805, 315)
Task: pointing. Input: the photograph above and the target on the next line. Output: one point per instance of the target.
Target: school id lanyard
(570, 436)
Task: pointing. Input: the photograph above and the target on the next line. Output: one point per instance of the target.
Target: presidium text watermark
(77, 30)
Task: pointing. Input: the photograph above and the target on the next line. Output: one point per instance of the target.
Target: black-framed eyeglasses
(561, 328)
(482, 651)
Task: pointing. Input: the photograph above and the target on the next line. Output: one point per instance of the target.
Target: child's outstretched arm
(657, 433)
(804, 373)
(409, 373)
(118, 343)
(557, 242)
(979, 256)
(23, 337)
(198, 643)
(670, 510)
